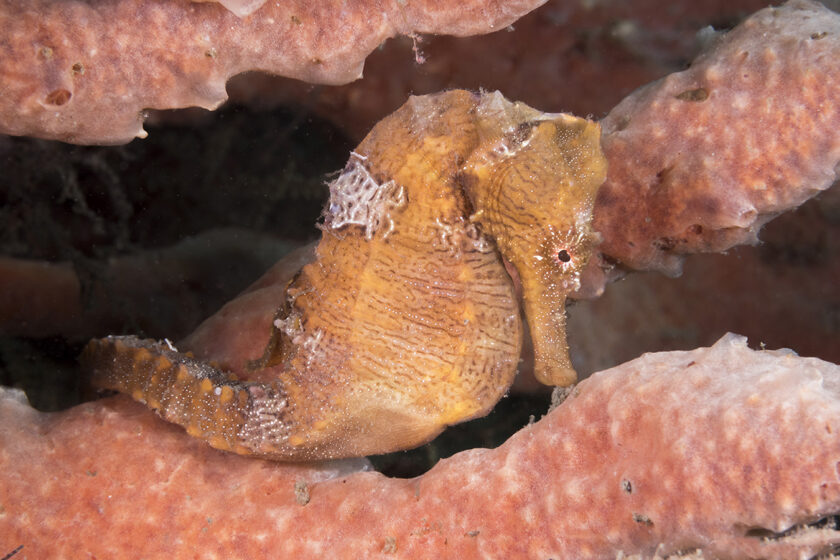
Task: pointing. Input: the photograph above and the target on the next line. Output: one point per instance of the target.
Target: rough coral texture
(719, 451)
(85, 73)
(783, 292)
(575, 57)
(699, 160)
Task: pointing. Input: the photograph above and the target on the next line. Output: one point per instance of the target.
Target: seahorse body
(406, 322)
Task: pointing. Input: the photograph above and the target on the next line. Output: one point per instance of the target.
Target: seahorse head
(532, 183)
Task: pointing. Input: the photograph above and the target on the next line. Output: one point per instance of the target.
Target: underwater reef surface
(87, 209)
(722, 451)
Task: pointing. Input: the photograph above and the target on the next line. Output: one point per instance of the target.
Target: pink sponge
(722, 451)
(699, 160)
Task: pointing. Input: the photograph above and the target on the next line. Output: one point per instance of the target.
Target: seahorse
(406, 321)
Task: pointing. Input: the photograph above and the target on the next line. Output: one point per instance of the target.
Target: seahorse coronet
(407, 320)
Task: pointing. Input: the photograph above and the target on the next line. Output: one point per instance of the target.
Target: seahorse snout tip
(556, 376)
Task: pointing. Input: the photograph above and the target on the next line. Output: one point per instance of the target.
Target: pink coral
(84, 73)
(576, 57)
(701, 159)
(782, 292)
(719, 450)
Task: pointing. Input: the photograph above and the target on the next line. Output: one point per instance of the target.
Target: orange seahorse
(406, 321)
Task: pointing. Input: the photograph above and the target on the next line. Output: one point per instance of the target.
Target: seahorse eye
(563, 256)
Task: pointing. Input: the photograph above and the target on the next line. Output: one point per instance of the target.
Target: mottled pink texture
(699, 160)
(711, 449)
(575, 57)
(783, 292)
(84, 72)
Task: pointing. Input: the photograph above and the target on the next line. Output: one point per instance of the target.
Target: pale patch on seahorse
(356, 198)
(407, 321)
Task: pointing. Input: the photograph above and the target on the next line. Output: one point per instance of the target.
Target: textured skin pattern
(407, 321)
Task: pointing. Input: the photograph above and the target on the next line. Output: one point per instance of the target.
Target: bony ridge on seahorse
(406, 322)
